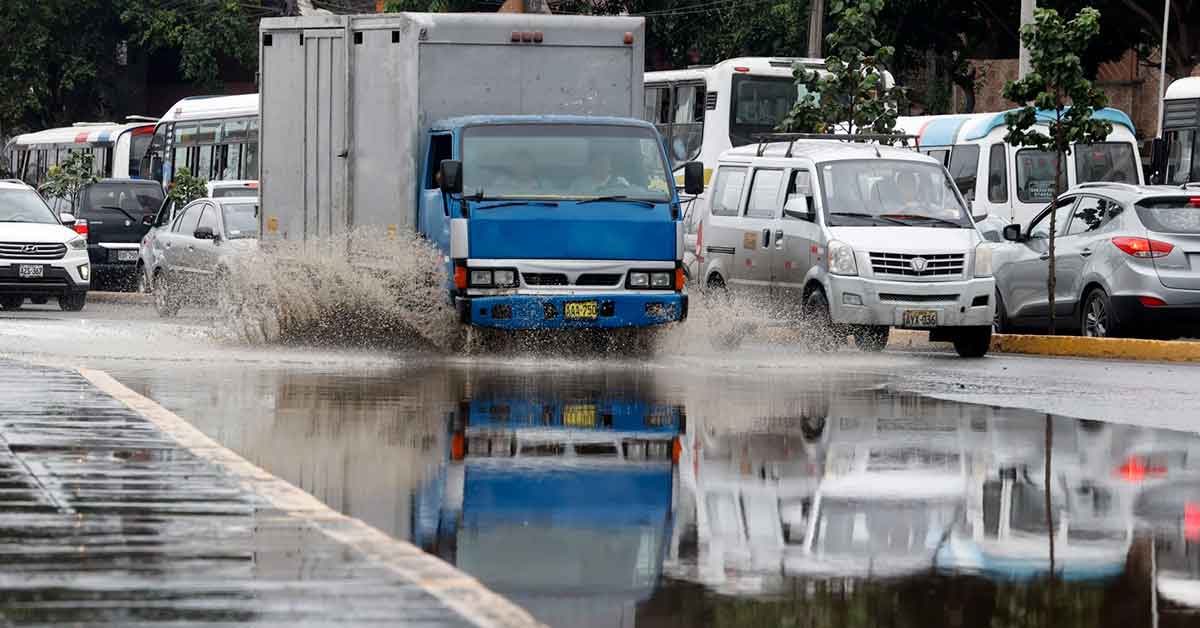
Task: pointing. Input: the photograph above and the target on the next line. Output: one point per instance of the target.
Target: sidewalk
(111, 516)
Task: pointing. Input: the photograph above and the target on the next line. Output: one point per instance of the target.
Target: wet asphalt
(759, 487)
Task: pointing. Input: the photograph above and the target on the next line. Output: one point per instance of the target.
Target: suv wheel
(165, 302)
(973, 342)
(873, 338)
(72, 302)
(11, 302)
(1097, 317)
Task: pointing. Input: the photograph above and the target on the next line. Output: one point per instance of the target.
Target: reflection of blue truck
(565, 506)
(548, 213)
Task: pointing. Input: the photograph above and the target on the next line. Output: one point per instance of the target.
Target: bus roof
(209, 107)
(89, 133)
(946, 130)
(1184, 88)
(769, 66)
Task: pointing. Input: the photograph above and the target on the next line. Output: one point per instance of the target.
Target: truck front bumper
(867, 301)
(549, 311)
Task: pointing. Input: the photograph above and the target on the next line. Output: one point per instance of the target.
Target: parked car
(186, 259)
(1127, 263)
(114, 214)
(855, 238)
(40, 256)
(223, 189)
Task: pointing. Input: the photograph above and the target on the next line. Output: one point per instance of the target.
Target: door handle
(1086, 252)
(778, 239)
(1044, 256)
(766, 238)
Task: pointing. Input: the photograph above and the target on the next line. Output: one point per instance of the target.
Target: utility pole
(1027, 7)
(816, 27)
(1162, 67)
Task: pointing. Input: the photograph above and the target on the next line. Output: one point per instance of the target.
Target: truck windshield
(759, 104)
(24, 205)
(865, 193)
(563, 161)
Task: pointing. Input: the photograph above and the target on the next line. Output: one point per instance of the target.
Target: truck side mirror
(451, 176)
(1012, 233)
(693, 178)
(797, 207)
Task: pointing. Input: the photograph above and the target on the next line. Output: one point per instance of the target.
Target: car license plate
(920, 318)
(31, 271)
(130, 255)
(581, 309)
(579, 416)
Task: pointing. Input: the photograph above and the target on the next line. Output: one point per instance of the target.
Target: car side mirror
(693, 178)
(451, 176)
(1012, 233)
(148, 220)
(797, 207)
(204, 233)
(68, 220)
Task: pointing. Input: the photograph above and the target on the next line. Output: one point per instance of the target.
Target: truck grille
(918, 298)
(544, 279)
(934, 265)
(23, 250)
(598, 279)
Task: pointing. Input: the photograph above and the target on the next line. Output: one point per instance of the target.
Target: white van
(1014, 183)
(858, 236)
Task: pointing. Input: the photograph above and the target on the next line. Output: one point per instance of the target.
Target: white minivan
(858, 237)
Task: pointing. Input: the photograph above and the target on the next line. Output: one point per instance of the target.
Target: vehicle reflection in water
(617, 497)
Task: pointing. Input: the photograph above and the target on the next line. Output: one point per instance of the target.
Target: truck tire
(72, 302)
(11, 302)
(871, 338)
(973, 342)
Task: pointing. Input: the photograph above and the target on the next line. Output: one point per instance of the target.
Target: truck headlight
(841, 258)
(77, 243)
(639, 280)
(505, 278)
(481, 278)
(983, 260)
(660, 280)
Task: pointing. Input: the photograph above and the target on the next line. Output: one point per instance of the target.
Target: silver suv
(40, 256)
(1127, 263)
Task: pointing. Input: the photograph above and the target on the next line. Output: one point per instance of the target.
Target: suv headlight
(77, 243)
(983, 259)
(841, 258)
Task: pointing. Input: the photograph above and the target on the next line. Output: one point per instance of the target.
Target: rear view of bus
(1181, 134)
(214, 137)
(116, 150)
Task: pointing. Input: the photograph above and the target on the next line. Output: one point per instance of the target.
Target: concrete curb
(102, 296)
(1067, 346)
(456, 590)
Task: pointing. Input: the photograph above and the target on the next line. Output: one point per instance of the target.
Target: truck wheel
(11, 302)
(973, 342)
(166, 303)
(821, 332)
(872, 338)
(72, 302)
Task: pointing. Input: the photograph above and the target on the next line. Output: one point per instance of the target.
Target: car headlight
(841, 258)
(639, 280)
(983, 260)
(505, 278)
(77, 243)
(481, 278)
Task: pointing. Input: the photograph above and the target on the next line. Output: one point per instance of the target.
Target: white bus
(1181, 132)
(116, 149)
(214, 137)
(1014, 183)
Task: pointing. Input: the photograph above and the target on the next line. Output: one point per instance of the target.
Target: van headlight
(983, 260)
(77, 243)
(841, 258)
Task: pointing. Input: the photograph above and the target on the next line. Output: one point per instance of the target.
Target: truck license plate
(130, 255)
(579, 416)
(920, 318)
(31, 271)
(581, 309)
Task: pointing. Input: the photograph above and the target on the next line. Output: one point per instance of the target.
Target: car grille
(22, 250)
(917, 298)
(598, 279)
(544, 279)
(936, 265)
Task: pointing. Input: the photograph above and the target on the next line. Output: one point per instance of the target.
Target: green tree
(852, 96)
(1056, 88)
(203, 31)
(186, 188)
(64, 180)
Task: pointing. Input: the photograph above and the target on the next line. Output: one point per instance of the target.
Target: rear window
(1108, 161)
(237, 191)
(1171, 215)
(135, 199)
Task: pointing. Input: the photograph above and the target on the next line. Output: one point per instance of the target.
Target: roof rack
(1108, 184)
(1190, 184)
(766, 138)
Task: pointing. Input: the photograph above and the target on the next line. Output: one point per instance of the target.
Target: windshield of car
(563, 161)
(1171, 215)
(135, 199)
(239, 191)
(884, 527)
(24, 205)
(1107, 161)
(241, 220)
(873, 192)
(759, 104)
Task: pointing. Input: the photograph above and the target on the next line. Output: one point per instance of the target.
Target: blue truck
(510, 141)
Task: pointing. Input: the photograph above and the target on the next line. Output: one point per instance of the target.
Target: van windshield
(563, 161)
(868, 193)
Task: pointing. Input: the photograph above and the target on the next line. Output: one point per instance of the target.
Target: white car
(223, 189)
(40, 255)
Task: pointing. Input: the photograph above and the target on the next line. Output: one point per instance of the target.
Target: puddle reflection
(652, 498)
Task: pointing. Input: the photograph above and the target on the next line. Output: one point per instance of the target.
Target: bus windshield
(759, 104)
(563, 161)
(1106, 161)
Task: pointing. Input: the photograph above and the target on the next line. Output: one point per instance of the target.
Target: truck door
(434, 218)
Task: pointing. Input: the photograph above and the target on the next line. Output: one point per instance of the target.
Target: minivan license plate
(581, 309)
(920, 318)
(31, 271)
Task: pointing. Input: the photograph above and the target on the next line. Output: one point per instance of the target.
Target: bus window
(687, 123)
(1183, 157)
(759, 104)
(1035, 176)
(964, 168)
(940, 154)
(997, 174)
(152, 159)
(139, 143)
(658, 110)
(204, 166)
(1107, 161)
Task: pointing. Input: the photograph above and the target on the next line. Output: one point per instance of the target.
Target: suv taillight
(81, 226)
(1143, 247)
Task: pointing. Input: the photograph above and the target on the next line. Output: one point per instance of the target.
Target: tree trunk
(1048, 480)
(1058, 155)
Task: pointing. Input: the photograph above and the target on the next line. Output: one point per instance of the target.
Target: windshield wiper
(127, 214)
(866, 216)
(514, 203)
(616, 197)
(907, 217)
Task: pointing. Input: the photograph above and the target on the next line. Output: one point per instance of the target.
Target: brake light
(676, 448)
(81, 226)
(1143, 247)
(680, 279)
(457, 446)
(1152, 301)
(700, 242)
(1194, 201)
(253, 185)
(1191, 522)
(741, 69)
(460, 277)
(1135, 469)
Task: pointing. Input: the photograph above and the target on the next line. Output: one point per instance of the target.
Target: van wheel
(166, 303)
(820, 331)
(11, 302)
(872, 338)
(973, 342)
(73, 302)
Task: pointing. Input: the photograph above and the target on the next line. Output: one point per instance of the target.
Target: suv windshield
(24, 205)
(865, 193)
(563, 161)
(241, 220)
(140, 198)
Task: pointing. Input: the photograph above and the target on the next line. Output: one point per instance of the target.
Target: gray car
(1127, 264)
(191, 254)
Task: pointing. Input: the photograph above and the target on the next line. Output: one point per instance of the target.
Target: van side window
(997, 175)
(792, 192)
(964, 168)
(764, 194)
(439, 149)
(727, 191)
